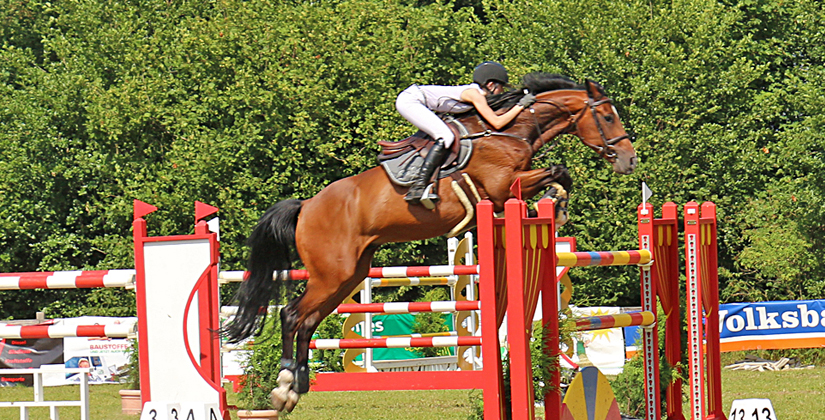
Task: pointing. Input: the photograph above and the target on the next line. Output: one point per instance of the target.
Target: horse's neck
(536, 130)
(566, 104)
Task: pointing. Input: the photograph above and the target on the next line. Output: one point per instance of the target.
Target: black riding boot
(433, 160)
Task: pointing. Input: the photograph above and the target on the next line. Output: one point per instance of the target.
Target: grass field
(796, 395)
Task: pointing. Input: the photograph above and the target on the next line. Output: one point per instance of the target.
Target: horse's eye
(609, 118)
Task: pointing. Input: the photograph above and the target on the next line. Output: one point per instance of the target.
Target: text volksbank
(769, 318)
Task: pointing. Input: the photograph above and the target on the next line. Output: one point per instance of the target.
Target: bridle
(607, 151)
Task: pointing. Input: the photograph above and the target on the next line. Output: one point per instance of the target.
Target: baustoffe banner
(106, 356)
(772, 325)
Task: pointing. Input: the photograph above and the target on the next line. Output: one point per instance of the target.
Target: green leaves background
(243, 103)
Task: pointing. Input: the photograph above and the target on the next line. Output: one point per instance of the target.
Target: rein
(607, 151)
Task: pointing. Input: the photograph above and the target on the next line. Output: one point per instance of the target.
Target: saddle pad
(404, 169)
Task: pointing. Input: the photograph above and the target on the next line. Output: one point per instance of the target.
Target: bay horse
(337, 232)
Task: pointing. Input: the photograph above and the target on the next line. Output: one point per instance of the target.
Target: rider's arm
(479, 101)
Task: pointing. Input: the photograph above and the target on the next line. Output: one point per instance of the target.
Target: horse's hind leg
(319, 303)
(325, 290)
(283, 398)
(289, 322)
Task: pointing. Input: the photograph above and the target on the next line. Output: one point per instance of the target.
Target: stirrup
(411, 198)
(428, 198)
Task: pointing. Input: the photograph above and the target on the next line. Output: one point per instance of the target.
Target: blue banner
(772, 325)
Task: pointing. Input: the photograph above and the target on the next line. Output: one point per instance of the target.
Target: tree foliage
(243, 103)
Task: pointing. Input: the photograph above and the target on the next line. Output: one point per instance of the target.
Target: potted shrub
(261, 367)
(130, 396)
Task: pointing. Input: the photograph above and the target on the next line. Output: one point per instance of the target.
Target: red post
(550, 311)
(139, 232)
(694, 312)
(209, 315)
(490, 349)
(710, 299)
(518, 329)
(650, 336)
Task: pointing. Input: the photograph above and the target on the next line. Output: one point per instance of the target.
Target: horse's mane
(535, 83)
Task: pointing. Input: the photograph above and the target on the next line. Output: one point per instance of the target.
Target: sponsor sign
(23, 353)
(106, 356)
(396, 325)
(772, 325)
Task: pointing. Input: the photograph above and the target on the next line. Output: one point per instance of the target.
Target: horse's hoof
(278, 398)
(283, 399)
(292, 398)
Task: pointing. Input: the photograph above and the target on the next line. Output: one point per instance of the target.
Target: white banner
(107, 356)
(602, 348)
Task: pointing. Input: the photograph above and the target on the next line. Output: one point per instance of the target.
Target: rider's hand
(527, 100)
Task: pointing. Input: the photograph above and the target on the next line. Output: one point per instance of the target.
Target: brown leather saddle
(402, 160)
(422, 143)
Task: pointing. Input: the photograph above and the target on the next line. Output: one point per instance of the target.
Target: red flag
(142, 209)
(203, 211)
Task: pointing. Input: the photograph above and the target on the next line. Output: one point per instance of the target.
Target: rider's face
(494, 88)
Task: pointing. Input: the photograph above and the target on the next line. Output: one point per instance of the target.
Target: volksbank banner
(772, 325)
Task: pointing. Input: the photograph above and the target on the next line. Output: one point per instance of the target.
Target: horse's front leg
(560, 198)
(558, 183)
(537, 180)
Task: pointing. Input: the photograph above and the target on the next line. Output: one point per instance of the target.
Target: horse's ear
(594, 90)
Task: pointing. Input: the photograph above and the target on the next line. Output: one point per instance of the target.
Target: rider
(418, 104)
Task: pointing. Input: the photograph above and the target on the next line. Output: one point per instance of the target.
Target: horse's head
(599, 127)
(585, 111)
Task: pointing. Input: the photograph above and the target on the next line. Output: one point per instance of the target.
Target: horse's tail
(270, 244)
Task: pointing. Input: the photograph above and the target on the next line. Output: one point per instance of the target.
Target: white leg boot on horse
(283, 398)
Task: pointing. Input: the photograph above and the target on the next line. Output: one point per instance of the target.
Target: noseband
(607, 152)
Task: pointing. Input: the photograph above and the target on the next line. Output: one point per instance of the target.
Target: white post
(471, 295)
(452, 245)
(366, 297)
(84, 395)
(38, 385)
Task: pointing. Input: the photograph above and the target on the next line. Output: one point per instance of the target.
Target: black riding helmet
(490, 70)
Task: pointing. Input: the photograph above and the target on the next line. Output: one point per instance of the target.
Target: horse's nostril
(634, 161)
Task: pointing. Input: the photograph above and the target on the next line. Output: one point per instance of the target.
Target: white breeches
(410, 104)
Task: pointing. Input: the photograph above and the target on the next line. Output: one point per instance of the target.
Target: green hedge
(243, 103)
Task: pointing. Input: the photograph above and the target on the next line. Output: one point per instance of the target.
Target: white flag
(646, 193)
(214, 226)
